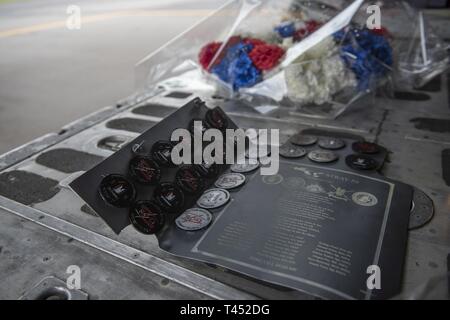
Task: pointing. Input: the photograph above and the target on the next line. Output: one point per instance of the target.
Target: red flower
(310, 27)
(381, 32)
(254, 42)
(208, 53)
(266, 57)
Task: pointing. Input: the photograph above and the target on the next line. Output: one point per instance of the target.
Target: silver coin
(194, 219)
(245, 168)
(230, 181)
(422, 210)
(214, 198)
(290, 151)
(322, 156)
(331, 143)
(303, 140)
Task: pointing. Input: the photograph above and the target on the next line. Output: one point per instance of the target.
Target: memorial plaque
(315, 226)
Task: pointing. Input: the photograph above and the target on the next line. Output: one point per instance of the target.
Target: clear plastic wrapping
(315, 57)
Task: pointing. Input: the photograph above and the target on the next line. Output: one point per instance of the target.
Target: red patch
(310, 27)
(208, 53)
(266, 57)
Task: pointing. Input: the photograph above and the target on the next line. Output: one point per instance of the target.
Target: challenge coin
(291, 151)
(117, 191)
(303, 140)
(322, 156)
(169, 197)
(230, 181)
(207, 170)
(146, 217)
(361, 162)
(366, 147)
(190, 180)
(245, 168)
(145, 170)
(217, 119)
(194, 219)
(162, 153)
(331, 143)
(214, 198)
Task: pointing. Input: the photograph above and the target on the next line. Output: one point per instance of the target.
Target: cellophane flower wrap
(306, 55)
(253, 62)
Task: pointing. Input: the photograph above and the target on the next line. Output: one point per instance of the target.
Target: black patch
(68, 160)
(446, 166)
(117, 191)
(411, 96)
(178, 95)
(434, 85)
(154, 110)
(130, 124)
(433, 125)
(26, 187)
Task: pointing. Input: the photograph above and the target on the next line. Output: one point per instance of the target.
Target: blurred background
(51, 75)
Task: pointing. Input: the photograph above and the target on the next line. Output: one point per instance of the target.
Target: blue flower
(367, 54)
(286, 30)
(237, 69)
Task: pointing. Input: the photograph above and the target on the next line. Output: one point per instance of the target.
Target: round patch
(366, 147)
(230, 181)
(169, 197)
(145, 170)
(194, 219)
(303, 140)
(146, 217)
(245, 168)
(364, 199)
(117, 191)
(214, 198)
(190, 180)
(217, 119)
(331, 143)
(162, 153)
(292, 152)
(207, 170)
(361, 162)
(323, 156)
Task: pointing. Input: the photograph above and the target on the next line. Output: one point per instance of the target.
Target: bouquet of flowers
(352, 58)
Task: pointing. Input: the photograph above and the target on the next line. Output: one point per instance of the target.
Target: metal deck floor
(45, 167)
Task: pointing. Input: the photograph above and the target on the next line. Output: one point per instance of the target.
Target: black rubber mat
(432, 125)
(155, 110)
(68, 160)
(179, 95)
(27, 188)
(130, 124)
